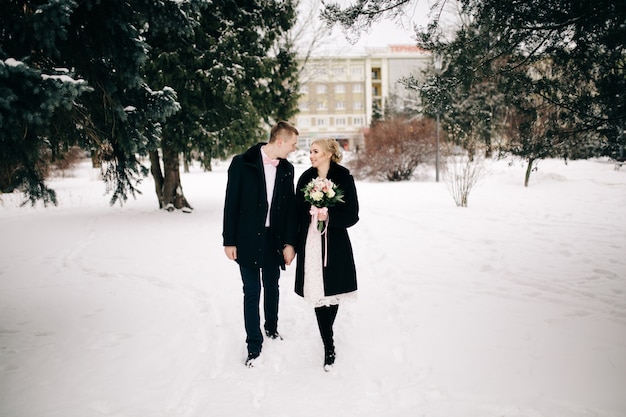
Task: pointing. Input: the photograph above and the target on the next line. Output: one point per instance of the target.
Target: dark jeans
(251, 297)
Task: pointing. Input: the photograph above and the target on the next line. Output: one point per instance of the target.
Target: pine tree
(123, 115)
(567, 55)
(35, 95)
(234, 75)
(79, 81)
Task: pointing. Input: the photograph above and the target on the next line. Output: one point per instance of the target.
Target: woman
(325, 271)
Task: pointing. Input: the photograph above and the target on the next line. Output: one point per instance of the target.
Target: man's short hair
(280, 127)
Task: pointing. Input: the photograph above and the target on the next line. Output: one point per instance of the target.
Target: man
(260, 227)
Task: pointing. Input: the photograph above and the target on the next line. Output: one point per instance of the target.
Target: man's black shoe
(252, 356)
(273, 335)
(329, 359)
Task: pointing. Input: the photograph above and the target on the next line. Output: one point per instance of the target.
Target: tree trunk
(157, 174)
(167, 181)
(95, 159)
(488, 132)
(206, 162)
(529, 169)
(173, 197)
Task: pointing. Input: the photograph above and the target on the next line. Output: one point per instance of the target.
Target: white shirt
(270, 180)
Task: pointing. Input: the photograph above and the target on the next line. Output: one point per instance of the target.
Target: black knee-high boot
(325, 319)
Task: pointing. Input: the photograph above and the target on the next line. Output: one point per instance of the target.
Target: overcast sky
(382, 33)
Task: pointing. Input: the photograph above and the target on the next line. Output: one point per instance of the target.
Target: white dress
(313, 272)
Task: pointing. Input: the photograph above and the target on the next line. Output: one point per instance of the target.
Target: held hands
(289, 253)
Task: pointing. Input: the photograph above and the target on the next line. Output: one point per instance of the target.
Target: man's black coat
(245, 209)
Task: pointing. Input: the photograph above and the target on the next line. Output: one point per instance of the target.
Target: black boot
(325, 320)
(329, 358)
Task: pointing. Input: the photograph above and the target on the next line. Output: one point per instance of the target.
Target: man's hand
(231, 252)
(288, 254)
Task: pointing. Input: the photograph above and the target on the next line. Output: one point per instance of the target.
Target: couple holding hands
(266, 224)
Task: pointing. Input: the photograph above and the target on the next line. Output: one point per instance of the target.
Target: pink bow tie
(273, 162)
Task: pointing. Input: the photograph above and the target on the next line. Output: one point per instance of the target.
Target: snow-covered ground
(515, 306)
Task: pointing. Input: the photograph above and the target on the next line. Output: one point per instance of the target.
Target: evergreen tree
(566, 55)
(574, 51)
(234, 76)
(474, 99)
(35, 95)
(84, 61)
(504, 93)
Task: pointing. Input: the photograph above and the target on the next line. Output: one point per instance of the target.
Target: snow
(12, 62)
(514, 306)
(63, 78)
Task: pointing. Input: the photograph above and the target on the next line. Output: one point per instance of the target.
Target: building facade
(341, 94)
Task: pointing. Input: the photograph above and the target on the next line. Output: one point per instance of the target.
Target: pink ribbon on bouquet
(314, 213)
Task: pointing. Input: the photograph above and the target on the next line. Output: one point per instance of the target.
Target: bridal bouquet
(322, 193)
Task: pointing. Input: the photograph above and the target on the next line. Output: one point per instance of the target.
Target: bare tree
(394, 148)
(463, 172)
(310, 34)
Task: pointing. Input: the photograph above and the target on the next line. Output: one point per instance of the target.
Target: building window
(338, 71)
(321, 105)
(340, 88)
(304, 89)
(357, 88)
(340, 105)
(356, 71)
(340, 121)
(321, 122)
(357, 121)
(319, 70)
(304, 122)
(304, 106)
(320, 89)
(357, 105)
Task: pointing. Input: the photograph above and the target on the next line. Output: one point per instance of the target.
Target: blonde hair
(331, 146)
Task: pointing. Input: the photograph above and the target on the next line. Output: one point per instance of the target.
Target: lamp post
(438, 66)
(437, 151)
